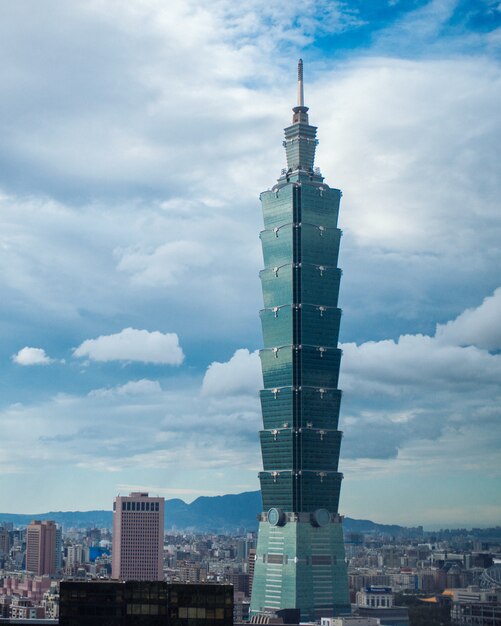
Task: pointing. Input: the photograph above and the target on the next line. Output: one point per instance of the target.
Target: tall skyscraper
(138, 537)
(300, 561)
(41, 542)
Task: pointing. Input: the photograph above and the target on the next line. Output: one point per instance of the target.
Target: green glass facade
(300, 554)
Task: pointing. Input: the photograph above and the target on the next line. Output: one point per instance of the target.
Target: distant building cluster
(390, 578)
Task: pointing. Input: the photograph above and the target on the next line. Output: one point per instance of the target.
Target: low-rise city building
(351, 620)
(375, 597)
(475, 606)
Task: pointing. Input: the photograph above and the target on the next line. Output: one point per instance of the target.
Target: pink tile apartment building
(41, 542)
(138, 537)
(32, 588)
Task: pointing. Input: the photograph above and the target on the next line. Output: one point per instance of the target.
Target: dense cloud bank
(130, 170)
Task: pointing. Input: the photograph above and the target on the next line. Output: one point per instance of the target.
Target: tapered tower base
(300, 565)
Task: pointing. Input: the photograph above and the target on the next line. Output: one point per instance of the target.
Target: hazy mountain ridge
(217, 513)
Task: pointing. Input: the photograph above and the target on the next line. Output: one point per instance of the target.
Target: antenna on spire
(300, 111)
(300, 90)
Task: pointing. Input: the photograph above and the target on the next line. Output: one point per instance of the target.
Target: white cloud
(139, 387)
(412, 143)
(479, 326)
(31, 356)
(131, 344)
(133, 427)
(131, 388)
(240, 375)
(417, 359)
(420, 26)
(166, 264)
(442, 389)
(418, 138)
(110, 260)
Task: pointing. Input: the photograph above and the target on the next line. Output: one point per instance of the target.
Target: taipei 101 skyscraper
(300, 561)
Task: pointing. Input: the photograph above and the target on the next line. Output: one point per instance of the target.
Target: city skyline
(135, 143)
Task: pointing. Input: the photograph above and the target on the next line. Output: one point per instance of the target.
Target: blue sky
(135, 140)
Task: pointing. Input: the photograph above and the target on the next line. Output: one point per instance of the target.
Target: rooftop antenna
(300, 111)
(300, 90)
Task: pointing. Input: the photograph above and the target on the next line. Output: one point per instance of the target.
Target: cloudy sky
(135, 139)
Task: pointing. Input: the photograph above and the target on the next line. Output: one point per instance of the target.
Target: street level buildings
(475, 606)
(300, 559)
(351, 620)
(375, 597)
(138, 536)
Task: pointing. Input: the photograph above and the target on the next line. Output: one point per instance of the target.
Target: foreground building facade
(145, 603)
(300, 561)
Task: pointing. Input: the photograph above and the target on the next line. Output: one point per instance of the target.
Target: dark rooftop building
(149, 603)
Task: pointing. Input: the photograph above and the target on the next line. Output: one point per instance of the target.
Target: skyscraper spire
(300, 90)
(300, 111)
(301, 138)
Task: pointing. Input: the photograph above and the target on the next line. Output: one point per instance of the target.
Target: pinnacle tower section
(300, 554)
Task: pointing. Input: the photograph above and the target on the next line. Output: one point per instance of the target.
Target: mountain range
(218, 513)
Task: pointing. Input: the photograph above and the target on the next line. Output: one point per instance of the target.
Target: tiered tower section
(300, 559)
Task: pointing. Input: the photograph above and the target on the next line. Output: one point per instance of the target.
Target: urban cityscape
(342, 469)
(396, 575)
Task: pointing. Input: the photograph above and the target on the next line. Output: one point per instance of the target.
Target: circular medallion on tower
(276, 517)
(320, 517)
